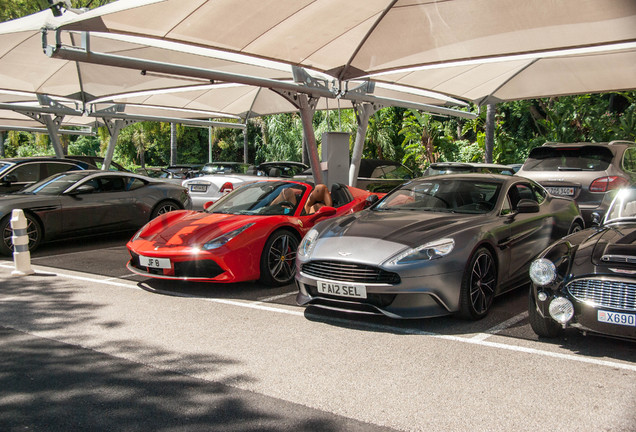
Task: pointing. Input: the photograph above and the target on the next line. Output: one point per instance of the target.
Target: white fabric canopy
(477, 50)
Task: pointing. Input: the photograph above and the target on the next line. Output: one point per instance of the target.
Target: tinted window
(588, 158)
(134, 183)
(55, 184)
(57, 167)
(113, 184)
(461, 196)
(28, 172)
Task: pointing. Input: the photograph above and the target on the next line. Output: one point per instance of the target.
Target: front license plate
(198, 188)
(162, 263)
(342, 289)
(561, 191)
(617, 318)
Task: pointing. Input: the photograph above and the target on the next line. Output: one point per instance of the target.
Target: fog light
(542, 272)
(542, 296)
(561, 310)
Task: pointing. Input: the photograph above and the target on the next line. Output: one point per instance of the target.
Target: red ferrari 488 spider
(251, 233)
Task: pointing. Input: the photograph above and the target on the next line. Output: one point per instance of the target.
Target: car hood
(191, 228)
(376, 236)
(616, 244)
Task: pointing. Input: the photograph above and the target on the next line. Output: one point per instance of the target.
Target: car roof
(37, 159)
(471, 176)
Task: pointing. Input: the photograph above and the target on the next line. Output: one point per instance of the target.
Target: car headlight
(223, 239)
(426, 252)
(542, 272)
(308, 243)
(561, 310)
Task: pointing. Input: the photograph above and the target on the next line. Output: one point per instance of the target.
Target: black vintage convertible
(588, 280)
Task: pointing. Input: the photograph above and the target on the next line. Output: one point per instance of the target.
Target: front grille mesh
(605, 293)
(349, 272)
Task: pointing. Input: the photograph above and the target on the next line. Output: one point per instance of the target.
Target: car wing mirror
(207, 205)
(527, 206)
(10, 178)
(323, 212)
(596, 218)
(371, 199)
(81, 190)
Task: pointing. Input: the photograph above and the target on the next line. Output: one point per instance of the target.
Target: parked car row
(447, 242)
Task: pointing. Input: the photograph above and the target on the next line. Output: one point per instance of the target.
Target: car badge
(344, 254)
(300, 223)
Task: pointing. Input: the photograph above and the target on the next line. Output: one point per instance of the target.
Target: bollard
(20, 239)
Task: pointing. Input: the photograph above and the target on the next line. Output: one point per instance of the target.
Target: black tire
(479, 284)
(576, 227)
(543, 327)
(278, 260)
(34, 231)
(164, 207)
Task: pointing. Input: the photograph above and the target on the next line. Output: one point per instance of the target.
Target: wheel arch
(164, 201)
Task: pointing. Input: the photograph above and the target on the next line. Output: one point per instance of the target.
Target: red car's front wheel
(278, 261)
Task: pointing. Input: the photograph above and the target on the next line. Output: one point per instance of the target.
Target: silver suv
(583, 171)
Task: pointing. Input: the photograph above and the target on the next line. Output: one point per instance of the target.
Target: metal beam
(85, 55)
(110, 115)
(81, 132)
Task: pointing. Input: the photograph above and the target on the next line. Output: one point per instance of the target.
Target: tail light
(604, 184)
(227, 187)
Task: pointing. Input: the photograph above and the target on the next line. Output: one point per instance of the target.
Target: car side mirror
(323, 212)
(371, 199)
(83, 189)
(207, 205)
(596, 218)
(10, 178)
(527, 206)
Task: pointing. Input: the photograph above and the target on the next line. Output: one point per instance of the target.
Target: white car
(209, 188)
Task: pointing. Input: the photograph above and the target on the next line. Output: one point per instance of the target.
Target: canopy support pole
(363, 114)
(114, 127)
(306, 104)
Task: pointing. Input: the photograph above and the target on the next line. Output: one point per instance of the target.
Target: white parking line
(476, 340)
(277, 297)
(501, 326)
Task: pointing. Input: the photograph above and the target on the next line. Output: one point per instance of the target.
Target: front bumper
(594, 298)
(410, 298)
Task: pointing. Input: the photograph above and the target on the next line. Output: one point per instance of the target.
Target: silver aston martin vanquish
(435, 246)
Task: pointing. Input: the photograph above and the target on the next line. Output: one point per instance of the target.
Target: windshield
(451, 195)
(623, 207)
(587, 158)
(55, 184)
(262, 198)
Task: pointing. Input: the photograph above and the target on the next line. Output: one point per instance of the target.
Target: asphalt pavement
(84, 345)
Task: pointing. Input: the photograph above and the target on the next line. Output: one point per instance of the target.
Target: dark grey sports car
(588, 280)
(77, 203)
(435, 246)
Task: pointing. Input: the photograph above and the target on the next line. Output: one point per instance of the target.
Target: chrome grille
(349, 272)
(605, 293)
